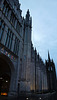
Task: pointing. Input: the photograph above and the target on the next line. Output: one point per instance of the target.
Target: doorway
(5, 76)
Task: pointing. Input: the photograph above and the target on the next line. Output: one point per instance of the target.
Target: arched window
(48, 68)
(51, 68)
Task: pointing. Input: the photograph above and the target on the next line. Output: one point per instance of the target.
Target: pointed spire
(45, 62)
(35, 48)
(28, 15)
(35, 51)
(48, 56)
(31, 44)
(53, 62)
(38, 55)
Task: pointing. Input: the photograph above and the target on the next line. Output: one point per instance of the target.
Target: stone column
(40, 80)
(13, 42)
(37, 79)
(13, 82)
(32, 77)
(46, 81)
(22, 68)
(28, 67)
(15, 24)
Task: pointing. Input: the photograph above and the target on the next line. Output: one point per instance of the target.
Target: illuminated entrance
(5, 76)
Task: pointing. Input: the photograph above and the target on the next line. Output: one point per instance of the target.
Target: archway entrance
(5, 76)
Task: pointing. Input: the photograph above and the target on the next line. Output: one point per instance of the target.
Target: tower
(51, 74)
(25, 84)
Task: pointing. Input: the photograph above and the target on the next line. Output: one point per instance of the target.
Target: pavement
(46, 96)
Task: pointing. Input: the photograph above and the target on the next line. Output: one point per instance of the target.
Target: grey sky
(44, 25)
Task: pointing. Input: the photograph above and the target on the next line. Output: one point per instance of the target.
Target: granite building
(21, 67)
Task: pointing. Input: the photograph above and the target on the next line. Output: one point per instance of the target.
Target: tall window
(13, 19)
(2, 27)
(5, 8)
(9, 39)
(48, 68)
(18, 27)
(51, 68)
(16, 46)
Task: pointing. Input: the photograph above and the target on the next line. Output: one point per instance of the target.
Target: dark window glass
(18, 27)
(9, 39)
(12, 19)
(16, 46)
(0, 22)
(7, 11)
(2, 27)
(5, 8)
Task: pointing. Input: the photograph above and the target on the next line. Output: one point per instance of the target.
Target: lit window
(4, 94)
(6, 81)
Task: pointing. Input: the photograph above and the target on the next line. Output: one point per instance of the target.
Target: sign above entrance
(2, 50)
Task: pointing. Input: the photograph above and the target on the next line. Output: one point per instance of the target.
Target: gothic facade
(21, 67)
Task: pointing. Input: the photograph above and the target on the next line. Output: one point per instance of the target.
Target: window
(7, 11)
(0, 23)
(51, 68)
(9, 39)
(2, 27)
(12, 19)
(5, 8)
(48, 68)
(18, 27)
(16, 46)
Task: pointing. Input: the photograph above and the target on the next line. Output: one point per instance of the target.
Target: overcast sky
(44, 26)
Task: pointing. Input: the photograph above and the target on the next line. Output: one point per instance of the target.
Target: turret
(28, 24)
(28, 16)
(28, 19)
(51, 74)
(48, 56)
